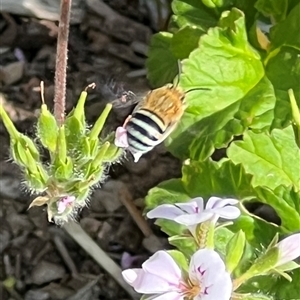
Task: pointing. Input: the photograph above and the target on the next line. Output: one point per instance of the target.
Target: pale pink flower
(121, 138)
(161, 278)
(192, 213)
(121, 141)
(64, 202)
(289, 249)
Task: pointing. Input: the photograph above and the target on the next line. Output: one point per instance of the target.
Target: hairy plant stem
(61, 62)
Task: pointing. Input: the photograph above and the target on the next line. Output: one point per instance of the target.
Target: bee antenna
(198, 89)
(177, 78)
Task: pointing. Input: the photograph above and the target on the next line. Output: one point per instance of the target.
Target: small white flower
(289, 249)
(192, 213)
(161, 278)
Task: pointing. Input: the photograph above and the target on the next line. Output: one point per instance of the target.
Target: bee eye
(170, 86)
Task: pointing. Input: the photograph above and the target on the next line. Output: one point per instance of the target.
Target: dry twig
(65, 255)
(89, 245)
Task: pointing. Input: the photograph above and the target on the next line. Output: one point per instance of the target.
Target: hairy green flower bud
(97, 128)
(47, 129)
(101, 154)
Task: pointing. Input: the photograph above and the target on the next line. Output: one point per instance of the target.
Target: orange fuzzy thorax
(166, 102)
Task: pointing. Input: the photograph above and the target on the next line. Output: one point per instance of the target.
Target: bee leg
(127, 120)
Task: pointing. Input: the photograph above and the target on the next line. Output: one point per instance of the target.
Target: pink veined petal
(289, 249)
(208, 269)
(206, 265)
(161, 264)
(189, 207)
(165, 211)
(189, 220)
(216, 202)
(228, 212)
(200, 203)
(146, 283)
(121, 137)
(221, 289)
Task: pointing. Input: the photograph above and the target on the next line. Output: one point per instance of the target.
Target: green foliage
(78, 159)
(241, 71)
(235, 250)
(271, 158)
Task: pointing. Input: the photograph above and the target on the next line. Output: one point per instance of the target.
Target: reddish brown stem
(61, 61)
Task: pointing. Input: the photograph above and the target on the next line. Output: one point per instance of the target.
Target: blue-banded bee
(152, 120)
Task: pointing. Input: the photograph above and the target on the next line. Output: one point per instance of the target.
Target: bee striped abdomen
(143, 130)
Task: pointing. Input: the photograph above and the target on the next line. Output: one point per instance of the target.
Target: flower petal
(216, 202)
(64, 202)
(162, 265)
(221, 289)
(145, 283)
(200, 203)
(121, 137)
(165, 211)
(208, 269)
(189, 207)
(205, 263)
(289, 249)
(193, 219)
(228, 212)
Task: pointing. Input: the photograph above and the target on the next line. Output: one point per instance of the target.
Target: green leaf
(221, 238)
(217, 3)
(285, 64)
(286, 33)
(275, 286)
(225, 179)
(186, 245)
(235, 250)
(287, 290)
(285, 202)
(184, 41)
(231, 69)
(170, 191)
(180, 259)
(255, 110)
(282, 112)
(253, 297)
(193, 13)
(172, 228)
(275, 9)
(264, 263)
(258, 232)
(162, 64)
(272, 159)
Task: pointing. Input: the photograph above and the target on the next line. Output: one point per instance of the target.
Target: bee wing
(167, 132)
(140, 104)
(127, 99)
